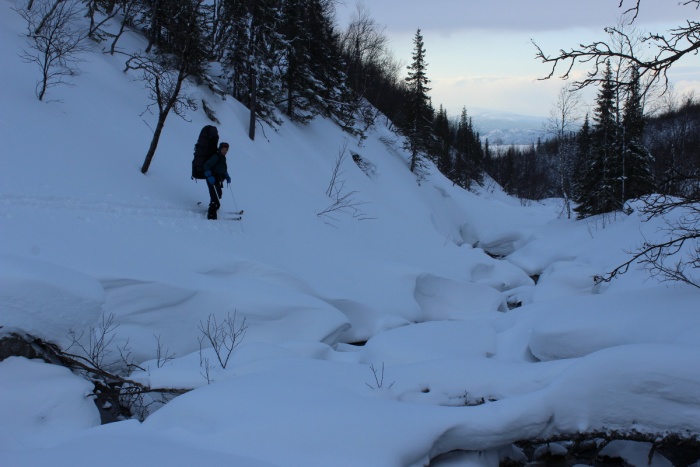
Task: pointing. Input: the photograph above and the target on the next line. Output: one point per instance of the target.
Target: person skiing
(216, 171)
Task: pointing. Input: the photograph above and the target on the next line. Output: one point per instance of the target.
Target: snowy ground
(87, 236)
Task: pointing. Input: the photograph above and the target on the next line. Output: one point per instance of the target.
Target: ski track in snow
(11, 203)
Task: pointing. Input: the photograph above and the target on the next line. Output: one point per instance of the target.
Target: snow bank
(649, 388)
(46, 300)
(42, 405)
(430, 340)
(598, 322)
(444, 298)
(278, 409)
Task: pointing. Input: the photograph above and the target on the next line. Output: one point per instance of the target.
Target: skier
(216, 171)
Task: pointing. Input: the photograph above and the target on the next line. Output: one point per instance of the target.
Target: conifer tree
(582, 159)
(298, 85)
(470, 155)
(443, 143)
(637, 178)
(232, 28)
(313, 80)
(417, 125)
(601, 188)
(264, 52)
(252, 55)
(332, 96)
(488, 157)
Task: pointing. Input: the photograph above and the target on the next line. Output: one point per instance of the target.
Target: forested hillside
(671, 136)
(291, 58)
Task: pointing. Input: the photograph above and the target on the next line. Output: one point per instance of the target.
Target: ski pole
(233, 197)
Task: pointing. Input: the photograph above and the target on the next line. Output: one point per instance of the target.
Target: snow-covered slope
(86, 236)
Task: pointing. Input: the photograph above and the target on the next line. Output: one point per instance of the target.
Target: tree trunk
(44, 76)
(253, 105)
(154, 142)
(162, 115)
(414, 158)
(46, 17)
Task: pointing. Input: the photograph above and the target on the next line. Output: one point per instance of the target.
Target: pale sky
(480, 55)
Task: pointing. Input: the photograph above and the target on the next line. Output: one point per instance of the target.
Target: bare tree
(223, 336)
(164, 85)
(181, 56)
(368, 63)
(94, 8)
(129, 9)
(563, 118)
(344, 201)
(55, 41)
(663, 49)
(378, 377)
(96, 348)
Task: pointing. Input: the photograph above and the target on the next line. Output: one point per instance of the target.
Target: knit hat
(223, 145)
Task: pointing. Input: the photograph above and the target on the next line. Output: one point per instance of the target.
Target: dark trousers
(215, 192)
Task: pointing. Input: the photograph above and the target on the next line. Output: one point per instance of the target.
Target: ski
(233, 213)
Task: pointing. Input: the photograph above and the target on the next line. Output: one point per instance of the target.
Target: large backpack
(205, 148)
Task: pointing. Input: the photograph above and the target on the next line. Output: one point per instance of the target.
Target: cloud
(509, 15)
(520, 94)
(480, 54)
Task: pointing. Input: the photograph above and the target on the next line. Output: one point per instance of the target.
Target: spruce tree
(253, 47)
(638, 179)
(298, 86)
(234, 24)
(470, 155)
(417, 124)
(488, 158)
(462, 146)
(264, 51)
(443, 143)
(313, 81)
(601, 187)
(333, 96)
(476, 156)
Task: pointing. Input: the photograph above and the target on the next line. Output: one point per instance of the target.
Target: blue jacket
(217, 166)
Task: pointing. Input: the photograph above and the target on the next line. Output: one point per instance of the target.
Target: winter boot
(211, 213)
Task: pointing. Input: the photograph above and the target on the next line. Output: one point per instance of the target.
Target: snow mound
(46, 300)
(596, 323)
(617, 388)
(42, 404)
(431, 340)
(443, 298)
(267, 310)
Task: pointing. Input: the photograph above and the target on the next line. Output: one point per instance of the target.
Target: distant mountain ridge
(507, 128)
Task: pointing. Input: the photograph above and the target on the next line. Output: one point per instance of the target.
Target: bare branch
(664, 50)
(344, 201)
(223, 336)
(673, 259)
(55, 42)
